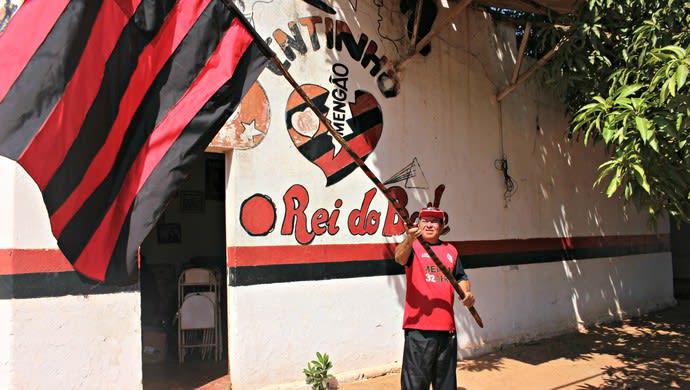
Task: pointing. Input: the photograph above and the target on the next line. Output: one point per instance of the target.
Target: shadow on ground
(654, 351)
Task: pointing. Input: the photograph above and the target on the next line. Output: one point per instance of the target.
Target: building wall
(57, 331)
(74, 342)
(310, 240)
(310, 251)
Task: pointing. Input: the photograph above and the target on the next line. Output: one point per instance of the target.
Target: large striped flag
(106, 104)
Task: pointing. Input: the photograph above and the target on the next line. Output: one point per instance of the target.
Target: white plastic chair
(197, 279)
(198, 312)
(198, 325)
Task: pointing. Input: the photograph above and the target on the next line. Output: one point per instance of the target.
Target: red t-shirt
(429, 296)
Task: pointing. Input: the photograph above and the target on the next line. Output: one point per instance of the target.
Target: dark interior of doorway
(680, 252)
(189, 235)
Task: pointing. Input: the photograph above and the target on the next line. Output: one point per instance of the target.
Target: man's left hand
(469, 299)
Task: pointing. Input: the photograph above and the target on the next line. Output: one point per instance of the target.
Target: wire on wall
(502, 163)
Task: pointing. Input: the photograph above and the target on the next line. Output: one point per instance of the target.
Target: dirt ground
(649, 352)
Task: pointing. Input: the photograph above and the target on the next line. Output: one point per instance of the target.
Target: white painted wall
(527, 302)
(69, 342)
(446, 115)
(22, 212)
(358, 321)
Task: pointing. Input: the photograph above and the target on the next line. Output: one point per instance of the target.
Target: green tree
(622, 70)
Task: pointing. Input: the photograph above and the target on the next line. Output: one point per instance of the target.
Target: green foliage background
(622, 71)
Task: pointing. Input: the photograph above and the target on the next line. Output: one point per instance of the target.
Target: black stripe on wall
(39, 285)
(252, 275)
(54, 284)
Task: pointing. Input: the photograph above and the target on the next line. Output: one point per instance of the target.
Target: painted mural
(359, 75)
(258, 215)
(7, 10)
(355, 115)
(338, 36)
(248, 125)
(345, 62)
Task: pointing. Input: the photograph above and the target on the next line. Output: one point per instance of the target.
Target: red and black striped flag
(106, 104)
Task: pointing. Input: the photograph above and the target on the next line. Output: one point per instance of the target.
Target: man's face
(431, 229)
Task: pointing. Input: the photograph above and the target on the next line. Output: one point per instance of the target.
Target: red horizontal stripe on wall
(297, 254)
(27, 261)
(24, 261)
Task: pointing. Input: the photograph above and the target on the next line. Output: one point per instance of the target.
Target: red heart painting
(361, 128)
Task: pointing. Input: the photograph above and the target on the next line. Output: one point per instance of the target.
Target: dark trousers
(429, 358)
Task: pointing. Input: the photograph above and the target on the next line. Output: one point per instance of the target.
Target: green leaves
(641, 178)
(681, 75)
(316, 372)
(673, 64)
(642, 125)
(632, 94)
(622, 70)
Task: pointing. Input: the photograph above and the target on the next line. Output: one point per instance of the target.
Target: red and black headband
(433, 212)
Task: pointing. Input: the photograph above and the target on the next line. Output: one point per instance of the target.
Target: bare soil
(649, 352)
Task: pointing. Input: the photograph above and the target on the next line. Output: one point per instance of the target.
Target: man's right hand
(413, 233)
(403, 250)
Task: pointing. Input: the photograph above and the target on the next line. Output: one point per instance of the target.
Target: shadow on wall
(555, 176)
(577, 209)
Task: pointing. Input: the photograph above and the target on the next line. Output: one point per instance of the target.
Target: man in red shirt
(430, 352)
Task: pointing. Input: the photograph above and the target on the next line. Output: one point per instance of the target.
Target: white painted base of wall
(72, 342)
(342, 377)
(528, 302)
(358, 321)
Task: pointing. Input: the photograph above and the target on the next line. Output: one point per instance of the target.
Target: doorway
(188, 240)
(680, 252)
